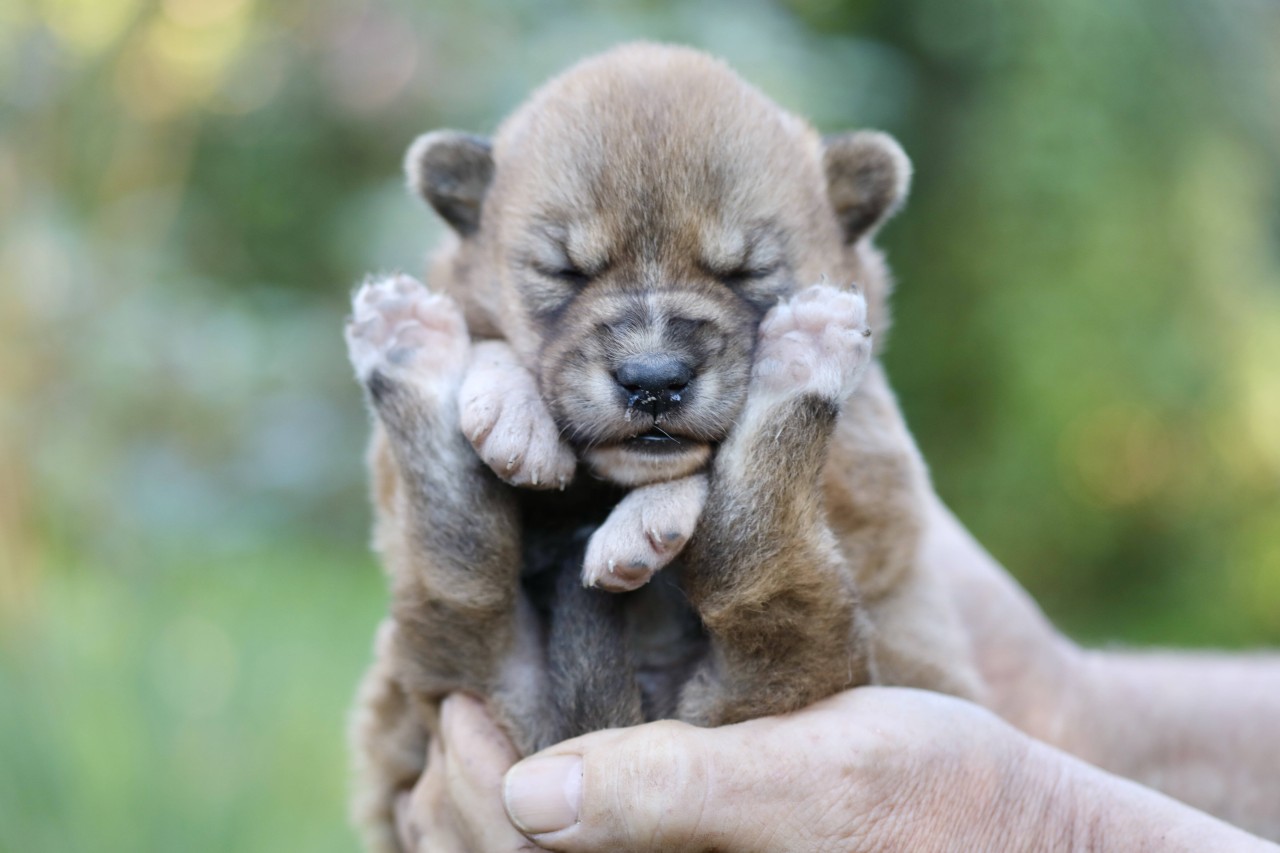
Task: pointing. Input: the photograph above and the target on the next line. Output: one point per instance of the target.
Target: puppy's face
(631, 225)
(643, 330)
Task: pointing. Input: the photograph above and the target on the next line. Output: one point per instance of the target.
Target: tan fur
(649, 200)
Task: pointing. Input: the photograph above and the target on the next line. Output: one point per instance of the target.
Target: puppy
(631, 255)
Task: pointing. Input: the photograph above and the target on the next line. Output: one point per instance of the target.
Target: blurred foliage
(1087, 342)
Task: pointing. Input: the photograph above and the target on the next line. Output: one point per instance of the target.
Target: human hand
(456, 806)
(875, 768)
(869, 769)
(1032, 675)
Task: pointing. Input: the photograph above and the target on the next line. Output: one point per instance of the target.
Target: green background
(1087, 343)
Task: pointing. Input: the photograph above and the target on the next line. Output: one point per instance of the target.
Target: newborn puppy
(778, 619)
(632, 255)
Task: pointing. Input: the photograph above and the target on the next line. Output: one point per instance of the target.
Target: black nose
(654, 382)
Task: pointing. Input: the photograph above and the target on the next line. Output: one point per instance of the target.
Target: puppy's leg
(764, 572)
(646, 531)
(447, 528)
(507, 421)
(448, 532)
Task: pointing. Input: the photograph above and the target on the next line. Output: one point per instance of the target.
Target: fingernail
(544, 794)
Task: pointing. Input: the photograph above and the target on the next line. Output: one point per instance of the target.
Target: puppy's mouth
(658, 441)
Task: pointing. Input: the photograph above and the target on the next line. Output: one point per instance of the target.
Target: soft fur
(646, 202)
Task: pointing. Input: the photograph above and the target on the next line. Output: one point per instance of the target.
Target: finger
(664, 786)
(422, 818)
(477, 753)
(406, 830)
(475, 746)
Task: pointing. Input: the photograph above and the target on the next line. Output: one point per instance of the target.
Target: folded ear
(868, 174)
(452, 171)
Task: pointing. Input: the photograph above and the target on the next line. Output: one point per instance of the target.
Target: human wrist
(1058, 802)
(1104, 812)
(1027, 667)
(1025, 799)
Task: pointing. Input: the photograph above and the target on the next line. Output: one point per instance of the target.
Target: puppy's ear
(452, 172)
(868, 174)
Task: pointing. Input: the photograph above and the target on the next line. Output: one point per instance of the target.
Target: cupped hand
(871, 769)
(456, 806)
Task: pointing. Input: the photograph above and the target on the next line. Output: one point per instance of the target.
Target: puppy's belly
(667, 640)
(660, 637)
(653, 634)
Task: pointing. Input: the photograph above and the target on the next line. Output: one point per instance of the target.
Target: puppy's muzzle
(654, 382)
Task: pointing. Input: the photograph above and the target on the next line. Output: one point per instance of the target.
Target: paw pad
(397, 326)
(816, 342)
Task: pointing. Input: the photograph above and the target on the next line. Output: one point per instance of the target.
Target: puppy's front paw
(645, 532)
(401, 330)
(508, 424)
(817, 342)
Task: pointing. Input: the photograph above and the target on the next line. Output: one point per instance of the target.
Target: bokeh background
(1087, 343)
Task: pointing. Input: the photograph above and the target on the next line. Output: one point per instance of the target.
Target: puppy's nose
(654, 381)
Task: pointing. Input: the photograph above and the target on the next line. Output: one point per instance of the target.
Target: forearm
(1201, 728)
(1022, 659)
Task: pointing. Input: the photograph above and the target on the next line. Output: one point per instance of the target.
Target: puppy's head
(629, 226)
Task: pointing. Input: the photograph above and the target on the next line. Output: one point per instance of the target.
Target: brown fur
(648, 200)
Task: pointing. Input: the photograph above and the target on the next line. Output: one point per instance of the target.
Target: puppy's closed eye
(565, 272)
(740, 275)
(736, 258)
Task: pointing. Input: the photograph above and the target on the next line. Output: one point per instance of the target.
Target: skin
(879, 768)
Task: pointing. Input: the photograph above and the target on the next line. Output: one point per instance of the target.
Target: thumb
(664, 786)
